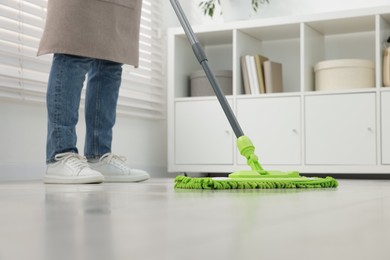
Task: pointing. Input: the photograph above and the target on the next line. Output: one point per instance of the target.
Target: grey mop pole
(201, 56)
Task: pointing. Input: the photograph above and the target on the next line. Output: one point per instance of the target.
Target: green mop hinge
(247, 149)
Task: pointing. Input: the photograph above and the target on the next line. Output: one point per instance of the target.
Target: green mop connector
(247, 149)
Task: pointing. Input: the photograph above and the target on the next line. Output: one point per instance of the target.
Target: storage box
(200, 85)
(344, 74)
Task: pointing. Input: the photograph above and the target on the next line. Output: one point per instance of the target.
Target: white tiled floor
(151, 220)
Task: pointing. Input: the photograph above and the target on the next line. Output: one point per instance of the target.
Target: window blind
(23, 75)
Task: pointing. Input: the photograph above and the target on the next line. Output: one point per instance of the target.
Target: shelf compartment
(385, 123)
(346, 38)
(202, 133)
(384, 34)
(274, 125)
(279, 43)
(340, 129)
(218, 48)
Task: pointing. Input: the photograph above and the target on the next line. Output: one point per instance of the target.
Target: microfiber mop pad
(183, 182)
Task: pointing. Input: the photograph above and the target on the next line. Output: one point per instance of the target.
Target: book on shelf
(261, 75)
(273, 77)
(252, 72)
(259, 59)
(245, 75)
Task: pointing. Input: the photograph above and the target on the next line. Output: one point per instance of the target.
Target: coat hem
(53, 51)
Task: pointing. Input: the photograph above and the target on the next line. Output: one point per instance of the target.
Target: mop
(257, 177)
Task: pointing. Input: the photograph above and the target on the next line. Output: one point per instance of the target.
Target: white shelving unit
(345, 131)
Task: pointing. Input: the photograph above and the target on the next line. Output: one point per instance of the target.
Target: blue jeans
(65, 84)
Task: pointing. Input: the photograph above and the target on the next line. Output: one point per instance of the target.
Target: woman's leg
(66, 80)
(104, 80)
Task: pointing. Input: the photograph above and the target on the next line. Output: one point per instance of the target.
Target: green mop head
(256, 178)
(182, 182)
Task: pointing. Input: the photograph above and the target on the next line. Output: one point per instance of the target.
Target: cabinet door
(273, 124)
(340, 129)
(202, 133)
(385, 128)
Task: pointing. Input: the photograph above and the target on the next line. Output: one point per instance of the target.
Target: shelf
(310, 122)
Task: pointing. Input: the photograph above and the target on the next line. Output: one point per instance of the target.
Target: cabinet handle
(370, 129)
(295, 131)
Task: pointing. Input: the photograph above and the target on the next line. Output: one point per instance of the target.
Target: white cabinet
(274, 126)
(340, 129)
(385, 127)
(202, 134)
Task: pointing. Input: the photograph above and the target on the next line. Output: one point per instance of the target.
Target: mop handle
(201, 56)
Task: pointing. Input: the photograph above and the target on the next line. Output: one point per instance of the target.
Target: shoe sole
(49, 179)
(125, 179)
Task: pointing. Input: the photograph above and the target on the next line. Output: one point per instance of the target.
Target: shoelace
(73, 159)
(119, 161)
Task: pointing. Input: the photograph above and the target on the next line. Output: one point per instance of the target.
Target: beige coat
(103, 29)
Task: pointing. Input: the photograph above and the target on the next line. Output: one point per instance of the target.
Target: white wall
(22, 132)
(190, 9)
(23, 140)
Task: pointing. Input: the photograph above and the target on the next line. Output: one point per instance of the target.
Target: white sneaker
(114, 169)
(71, 168)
